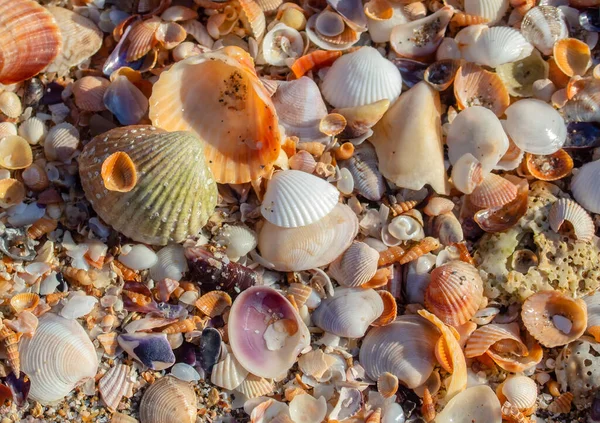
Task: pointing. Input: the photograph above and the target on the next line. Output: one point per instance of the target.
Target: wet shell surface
(584, 186)
(543, 26)
(492, 10)
(568, 210)
(168, 399)
(132, 213)
(363, 167)
(356, 266)
(494, 191)
(492, 46)
(59, 357)
(474, 86)
(89, 93)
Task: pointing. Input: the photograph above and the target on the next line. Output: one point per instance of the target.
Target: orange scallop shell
(313, 61)
(118, 172)
(213, 303)
(494, 191)
(550, 167)
(474, 86)
(572, 57)
(12, 192)
(390, 309)
(25, 301)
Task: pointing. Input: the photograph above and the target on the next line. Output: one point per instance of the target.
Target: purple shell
(151, 349)
(18, 387)
(212, 273)
(210, 348)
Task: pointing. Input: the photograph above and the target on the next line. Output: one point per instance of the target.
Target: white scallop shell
(493, 10)
(535, 126)
(521, 391)
(308, 247)
(114, 385)
(295, 199)
(585, 186)
(61, 142)
(171, 263)
(282, 43)
(380, 29)
(10, 104)
(238, 240)
(228, 373)
(356, 266)
(593, 309)
(476, 404)
(543, 26)
(59, 357)
(349, 312)
(361, 77)
(492, 46)
(565, 209)
(137, 257)
(33, 130)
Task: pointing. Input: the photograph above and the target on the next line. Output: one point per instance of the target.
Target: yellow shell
(12, 192)
(213, 303)
(26, 301)
(15, 152)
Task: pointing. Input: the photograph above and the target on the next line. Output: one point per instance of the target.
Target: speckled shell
(578, 370)
(356, 266)
(168, 400)
(175, 192)
(29, 40)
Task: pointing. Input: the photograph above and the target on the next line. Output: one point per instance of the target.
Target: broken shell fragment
(12, 192)
(476, 404)
(168, 399)
(151, 349)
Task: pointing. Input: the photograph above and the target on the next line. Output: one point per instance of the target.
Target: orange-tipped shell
(551, 167)
(253, 18)
(314, 61)
(300, 292)
(41, 227)
(89, 93)
(387, 384)
(12, 192)
(390, 309)
(494, 191)
(213, 303)
(118, 172)
(572, 57)
(474, 86)
(25, 301)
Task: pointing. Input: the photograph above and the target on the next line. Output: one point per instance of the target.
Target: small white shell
(237, 240)
(185, 372)
(137, 257)
(33, 130)
(281, 44)
(521, 391)
(114, 385)
(543, 26)
(405, 228)
(228, 373)
(568, 210)
(305, 408)
(493, 10)
(61, 142)
(10, 104)
(476, 404)
(78, 306)
(171, 263)
(356, 266)
(380, 28)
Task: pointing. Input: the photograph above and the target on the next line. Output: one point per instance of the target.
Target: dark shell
(212, 273)
(150, 349)
(34, 91)
(582, 135)
(502, 218)
(210, 348)
(18, 387)
(138, 288)
(5, 394)
(52, 94)
(590, 19)
(186, 353)
(412, 71)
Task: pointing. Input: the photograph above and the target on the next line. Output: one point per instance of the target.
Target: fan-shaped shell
(15, 152)
(114, 385)
(474, 86)
(281, 44)
(573, 57)
(59, 357)
(89, 93)
(12, 191)
(168, 399)
(568, 210)
(170, 166)
(25, 301)
(171, 263)
(255, 386)
(230, 111)
(494, 191)
(382, 17)
(361, 77)
(308, 247)
(266, 333)
(303, 161)
(492, 10)
(492, 46)
(253, 18)
(521, 391)
(543, 26)
(585, 187)
(356, 266)
(33, 130)
(29, 38)
(364, 169)
(549, 167)
(10, 104)
(228, 373)
(61, 142)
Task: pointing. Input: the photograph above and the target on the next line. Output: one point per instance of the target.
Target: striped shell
(474, 86)
(255, 386)
(466, 173)
(61, 142)
(568, 210)
(356, 266)
(494, 191)
(10, 104)
(89, 93)
(167, 400)
(114, 385)
(543, 26)
(25, 301)
(368, 181)
(521, 391)
(228, 373)
(493, 10)
(33, 130)
(170, 166)
(492, 46)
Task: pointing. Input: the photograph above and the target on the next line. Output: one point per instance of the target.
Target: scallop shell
(349, 312)
(254, 386)
(521, 391)
(303, 161)
(568, 210)
(228, 373)
(33, 130)
(142, 38)
(573, 57)
(519, 77)
(492, 10)
(539, 314)
(361, 77)
(168, 399)
(474, 86)
(10, 104)
(25, 301)
(81, 39)
(467, 173)
(61, 142)
(364, 169)
(8, 128)
(89, 93)
(307, 247)
(12, 192)
(281, 44)
(171, 263)
(59, 357)
(30, 40)
(251, 118)
(543, 26)
(264, 346)
(494, 191)
(478, 403)
(114, 385)
(130, 212)
(356, 266)
(15, 152)
(253, 18)
(382, 17)
(390, 309)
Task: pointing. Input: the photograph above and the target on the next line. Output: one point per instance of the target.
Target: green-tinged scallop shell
(519, 76)
(175, 191)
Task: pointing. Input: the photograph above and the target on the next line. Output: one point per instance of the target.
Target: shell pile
(305, 211)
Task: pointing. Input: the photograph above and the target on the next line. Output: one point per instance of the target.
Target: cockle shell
(349, 312)
(249, 144)
(33, 130)
(542, 26)
(142, 38)
(29, 38)
(114, 385)
(255, 386)
(238, 240)
(61, 142)
(10, 104)
(492, 10)
(307, 247)
(474, 86)
(8, 128)
(494, 191)
(467, 173)
(228, 373)
(356, 266)
(171, 263)
(35, 177)
(294, 199)
(253, 18)
(364, 169)
(15, 152)
(572, 57)
(476, 404)
(521, 391)
(303, 161)
(59, 357)
(281, 44)
(585, 187)
(266, 333)
(382, 17)
(140, 218)
(568, 210)
(361, 77)
(168, 399)
(25, 301)
(89, 93)
(408, 141)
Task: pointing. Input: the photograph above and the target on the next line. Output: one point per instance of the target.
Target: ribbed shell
(59, 357)
(33, 130)
(61, 142)
(114, 385)
(474, 86)
(593, 309)
(228, 373)
(171, 263)
(10, 104)
(141, 39)
(521, 391)
(494, 191)
(492, 46)
(269, 5)
(253, 18)
(356, 266)
(542, 26)
(168, 400)
(362, 77)
(175, 192)
(295, 198)
(568, 210)
(255, 386)
(585, 187)
(29, 40)
(89, 93)
(363, 167)
(493, 10)
(454, 293)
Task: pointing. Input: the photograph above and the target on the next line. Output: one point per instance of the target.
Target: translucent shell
(15, 152)
(12, 191)
(118, 172)
(29, 38)
(493, 10)
(519, 77)
(474, 86)
(553, 318)
(89, 93)
(478, 403)
(543, 26)
(504, 217)
(573, 57)
(248, 145)
(175, 209)
(549, 167)
(494, 191)
(356, 266)
(168, 399)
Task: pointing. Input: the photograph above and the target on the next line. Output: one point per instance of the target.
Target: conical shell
(167, 400)
(543, 26)
(15, 152)
(308, 247)
(364, 169)
(474, 86)
(29, 40)
(492, 46)
(61, 142)
(573, 57)
(114, 385)
(228, 373)
(300, 292)
(240, 133)
(89, 93)
(170, 166)
(521, 391)
(492, 10)
(568, 210)
(454, 293)
(361, 77)
(356, 266)
(494, 191)
(59, 357)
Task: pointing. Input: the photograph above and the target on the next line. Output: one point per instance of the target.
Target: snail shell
(168, 399)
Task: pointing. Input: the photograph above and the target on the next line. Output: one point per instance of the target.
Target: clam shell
(178, 13)
(33, 130)
(29, 38)
(254, 386)
(390, 309)
(253, 18)
(382, 17)
(329, 23)
(25, 301)
(360, 119)
(12, 192)
(15, 152)
(168, 399)
(8, 128)
(89, 93)
(585, 188)
(159, 157)
(263, 346)
(549, 167)
(142, 39)
(356, 266)
(251, 118)
(573, 57)
(281, 44)
(364, 169)
(228, 373)
(568, 210)
(352, 12)
(474, 86)
(492, 10)
(543, 26)
(387, 384)
(238, 240)
(171, 263)
(539, 314)
(519, 76)
(303, 161)
(492, 46)
(521, 391)
(61, 142)
(125, 101)
(361, 77)
(467, 173)
(349, 312)
(59, 357)
(305, 408)
(440, 75)
(308, 247)
(10, 104)
(343, 41)
(494, 191)
(478, 403)
(114, 385)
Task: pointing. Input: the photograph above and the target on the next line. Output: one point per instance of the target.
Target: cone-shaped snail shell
(167, 400)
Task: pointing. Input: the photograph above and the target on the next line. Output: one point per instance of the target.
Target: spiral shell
(213, 303)
(356, 266)
(168, 399)
(281, 44)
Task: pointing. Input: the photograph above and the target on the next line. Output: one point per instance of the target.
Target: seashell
(30, 40)
(567, 210)
(562, 404)
(352, 12)
(265, 346)
(228, 373)
(543, 26)
(303, 161)
(118, 172)
(269, 5)
(142, 38)
(360, 78)
(308, 247)
(420, 38)
(403, 348)
(521, 391)
(182, 326)
(8, 128)
(332, 125)
(137, 257)
(550, 167)
(305, 408)
(391, 255)
(440, 75)
(438, 205)
(151, 349)
(448, 229)
(405, 228)
(59, 357)
(390, 309)
(572, 57)
(124, 100)
(178, 13)
(492, 10)
(238, 240)
(254, 386)
(467, 173)
(428, 407)
(349, 312)
(454, 293)
(519, 77)
(213, 272)
(109, 343)
(316, 364)
(281, 44)
(416, 115)
(168, 399)
(348, 404)
(170, 35)
(494, 191)
(593, 308)
(42, 227)
(474, 86)
(506, 216)
(553, 318)
(477, 403)
(300, 292)
(130, 212)
(81, 39)
(213, 303)
(185, 372)
(171, 263)
(500, 341)
(61, 142)
(25, 301)
(114, 385)
(360, 119)
(364, 170)
(10, 104)
(313, 61)
(493, 46)
(382, 17)
(577, 370)
(387, 384)
(12, 192)
(33, 130)
(10, 341)
(536, 136)
(292, 16)
(356, 266)
(253, 18)
(122, 418)
(89, 93)
(329, 24)
(257, 124)
(584, 186)
(295, 199)
(15, 152)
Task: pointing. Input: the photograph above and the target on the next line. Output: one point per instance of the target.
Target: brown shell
(89, 93)
(387, 384)
(25, 301)
(426, 245)
(118, 172)
(12, 192)
(549, 167)
(214, 303)
(390, 309)
(441, 74)
(41, 227)
(474, 86)
(562, 404)
(15, 152)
